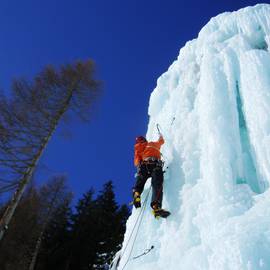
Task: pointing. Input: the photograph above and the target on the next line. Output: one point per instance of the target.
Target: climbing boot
(159, 212)
(136, 199)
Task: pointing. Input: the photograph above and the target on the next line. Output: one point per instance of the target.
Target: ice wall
(213, 107)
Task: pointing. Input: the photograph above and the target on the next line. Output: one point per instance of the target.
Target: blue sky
(132, 43)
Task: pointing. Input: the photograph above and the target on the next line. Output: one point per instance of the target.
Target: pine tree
(45, 229)
(84, 234)
(98, 229)
(111, 225)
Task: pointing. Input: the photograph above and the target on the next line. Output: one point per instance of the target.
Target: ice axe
(158, 126)
(158, 129)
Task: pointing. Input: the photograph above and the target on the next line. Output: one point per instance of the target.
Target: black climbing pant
(153, 170)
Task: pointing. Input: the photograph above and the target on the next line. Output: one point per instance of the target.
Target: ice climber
(147, 159)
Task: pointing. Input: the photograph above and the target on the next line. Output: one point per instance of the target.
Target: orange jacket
(147, 149)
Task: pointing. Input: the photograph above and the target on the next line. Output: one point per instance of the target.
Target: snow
(213, 108)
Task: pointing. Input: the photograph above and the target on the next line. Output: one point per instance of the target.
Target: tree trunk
(5, 220)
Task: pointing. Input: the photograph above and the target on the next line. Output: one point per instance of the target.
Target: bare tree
(29, 118)
(52, 196)
(36, 211)
(23, 232)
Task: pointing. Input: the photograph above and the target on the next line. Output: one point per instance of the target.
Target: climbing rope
(138, 221)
